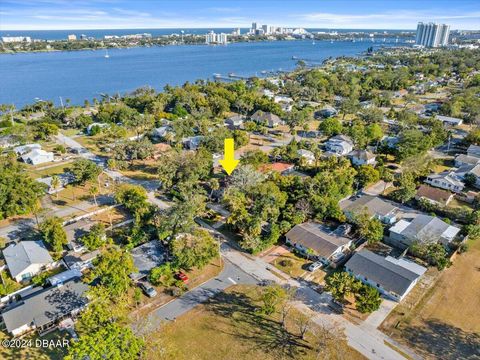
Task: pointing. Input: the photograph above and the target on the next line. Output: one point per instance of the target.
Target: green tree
(163, 275)
(271, 297)
(330, 126)
(112, 269)
(95, 238)
(53, 233)
(113, 342)
(194, 250)
(367, 175)
(341, 284)
(367, 299)
(134, 198)
(85, 170)
(369, 228)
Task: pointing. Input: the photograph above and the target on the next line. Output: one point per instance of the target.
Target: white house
(307, 155)
(362, 157)
(339, 145)
(394, 278)
(64, 179)
(235, 121)
(447, 180)
(96, 125)
(423, 229)
(313, 239)
(27, 259)
(37, 156)
(449, 121)
(20, 150)
(162, 131)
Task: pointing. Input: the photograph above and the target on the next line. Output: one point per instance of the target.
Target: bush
(286, 262)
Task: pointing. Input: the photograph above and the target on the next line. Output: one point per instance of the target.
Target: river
(80, 75)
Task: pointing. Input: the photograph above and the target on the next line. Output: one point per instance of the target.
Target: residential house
(473, 150)
(81, 262)
(394, 278)
(63, 277)
(284, 101)
(433, 195)
(235, 121)
(373, 206)
(339, 145)
(26, 259)
(315, 240)
(43, 309)
(266, 118)
(449, 121)
(400, 93)
(362, 157)
(146, 257)
(162, 132)
(423, 229)
(326, 112)
(63, 179)
(447, 180)
(193, 142)
(8, 141)
(21, 150)
(307, 156)
(96, 125)
(37, 156)
(463, 160)
(278, 167)
(75, 231)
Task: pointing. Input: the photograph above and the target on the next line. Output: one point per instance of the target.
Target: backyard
(229, 327)
(444, 322)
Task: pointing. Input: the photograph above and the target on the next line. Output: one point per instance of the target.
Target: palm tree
(94, 192)
(55, 184)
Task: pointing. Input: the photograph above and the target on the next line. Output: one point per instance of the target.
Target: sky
(330, 14)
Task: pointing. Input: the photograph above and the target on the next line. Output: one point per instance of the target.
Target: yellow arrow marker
(229, 163)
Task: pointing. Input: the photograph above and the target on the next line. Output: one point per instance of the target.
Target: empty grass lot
(227, 327)
(445, 323)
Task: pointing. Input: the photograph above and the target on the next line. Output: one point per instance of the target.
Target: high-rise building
(210, 38)
(432, 35)
(254, 28)
(265, 29)
(222, 38)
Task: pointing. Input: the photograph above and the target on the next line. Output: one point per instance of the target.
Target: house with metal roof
(372, 205)
(422, 229)
(42, 310)
(23, 149)
(394, 278)
(37, 156)
(26, 259)
(317, 241)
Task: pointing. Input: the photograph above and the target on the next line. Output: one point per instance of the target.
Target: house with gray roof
(473, 150)
(20, 150)
(266, 118)
(394, 278)
(447, 180)
(37, 156)
(372, 205)
(317, 241)
(464, 159)
(235, 121)
(339, 145)
(362, 157)
(26, 259)
(146, 257)
(422, 229)
(42, 310)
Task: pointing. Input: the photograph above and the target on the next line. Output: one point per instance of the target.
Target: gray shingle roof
(21, 255)
(313, 236)
(47, 305)
(394, 275)
(146, 257)
(372, 204)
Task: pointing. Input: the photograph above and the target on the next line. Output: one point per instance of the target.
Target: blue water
(80, 75)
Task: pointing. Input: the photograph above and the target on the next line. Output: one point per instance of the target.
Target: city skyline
(118, 14)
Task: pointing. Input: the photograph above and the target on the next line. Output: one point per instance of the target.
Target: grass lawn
(291, 264)
(445, 323)
(34, 352)
(50, 171)
(228, 327)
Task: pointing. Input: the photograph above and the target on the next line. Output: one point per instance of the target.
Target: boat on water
(106, 54)
(294, 57)
(313, 42)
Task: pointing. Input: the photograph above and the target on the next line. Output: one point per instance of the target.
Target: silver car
(314, 266)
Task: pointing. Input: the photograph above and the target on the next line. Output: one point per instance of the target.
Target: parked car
(182, 276)
(314, 266)
(148, 289)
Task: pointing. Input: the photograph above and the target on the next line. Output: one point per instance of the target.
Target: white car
(314, 266)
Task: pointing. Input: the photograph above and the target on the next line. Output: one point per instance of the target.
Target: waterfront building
(265, 29)
(236, 32)
(212, 38)
(222, 38)
(72, 37)
(432, 35)
(13, 39)
(254, 28)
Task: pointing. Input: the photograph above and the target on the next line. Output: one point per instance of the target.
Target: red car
(181, 276)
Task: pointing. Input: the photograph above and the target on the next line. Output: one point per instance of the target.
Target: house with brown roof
(319, 242)
(433, 195)
(281, 168)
